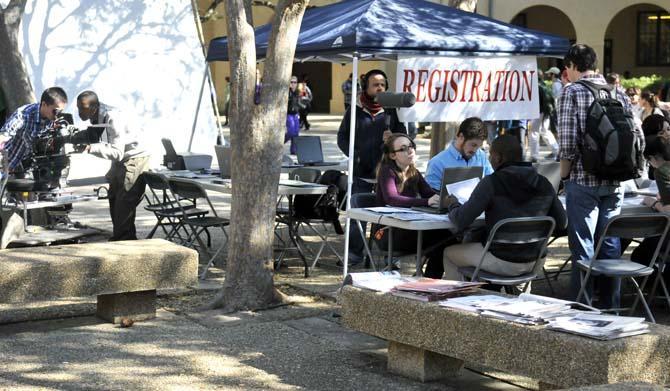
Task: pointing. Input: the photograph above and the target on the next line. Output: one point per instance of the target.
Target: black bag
(325, 206)
(611, 147)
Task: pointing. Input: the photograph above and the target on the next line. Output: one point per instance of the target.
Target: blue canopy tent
(354, 30)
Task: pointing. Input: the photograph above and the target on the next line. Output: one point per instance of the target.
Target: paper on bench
(388, 209)
(462, 190)
(376, 281)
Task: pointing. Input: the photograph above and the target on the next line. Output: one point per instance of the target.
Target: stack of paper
(600, 326)
(376, 281)
(525, 309)
(428, 289)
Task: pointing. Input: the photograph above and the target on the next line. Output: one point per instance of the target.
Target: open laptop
(309, 152)
(451, 175)
(223, 157)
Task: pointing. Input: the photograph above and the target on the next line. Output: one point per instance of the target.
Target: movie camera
(49, 162)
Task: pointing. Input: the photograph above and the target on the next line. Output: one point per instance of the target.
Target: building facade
(630, 37)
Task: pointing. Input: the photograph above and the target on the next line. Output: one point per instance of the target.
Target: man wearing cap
(553, 74)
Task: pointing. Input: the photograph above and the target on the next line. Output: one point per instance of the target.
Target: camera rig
(49, 162)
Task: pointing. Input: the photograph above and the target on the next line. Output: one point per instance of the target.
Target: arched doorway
(643, 46)
(549, 20)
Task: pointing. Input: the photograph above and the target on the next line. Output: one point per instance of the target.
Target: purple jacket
(387, 190)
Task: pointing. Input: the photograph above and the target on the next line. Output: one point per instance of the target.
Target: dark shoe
(354, 260)
(395, 263)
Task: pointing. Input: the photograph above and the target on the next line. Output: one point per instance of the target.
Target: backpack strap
(596, 88)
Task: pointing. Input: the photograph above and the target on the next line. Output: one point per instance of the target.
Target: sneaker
(551, 156)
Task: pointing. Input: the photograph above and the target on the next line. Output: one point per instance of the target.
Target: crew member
(118, 144)
(26, 124)
(371, 133)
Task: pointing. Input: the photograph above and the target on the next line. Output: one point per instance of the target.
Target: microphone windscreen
(395, 99)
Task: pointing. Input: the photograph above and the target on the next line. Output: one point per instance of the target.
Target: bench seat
(123, 275)
(428, 342)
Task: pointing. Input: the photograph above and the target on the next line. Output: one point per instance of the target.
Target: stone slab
(135, 306)
(91, 269)
(551, 357)
(421, 364)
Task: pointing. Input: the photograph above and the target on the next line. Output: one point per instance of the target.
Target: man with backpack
(591, 176)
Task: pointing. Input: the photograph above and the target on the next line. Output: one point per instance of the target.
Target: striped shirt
(573, 105)
(23, 126)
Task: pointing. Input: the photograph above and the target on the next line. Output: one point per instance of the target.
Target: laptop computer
(223, 157)
(451, 175)
(309, 152)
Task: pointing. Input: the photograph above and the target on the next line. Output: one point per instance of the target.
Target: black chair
(188, 190)
(629, 226)
(163, 204)
(529, 233)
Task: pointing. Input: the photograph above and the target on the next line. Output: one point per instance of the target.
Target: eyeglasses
(294, 82)
(406, 148)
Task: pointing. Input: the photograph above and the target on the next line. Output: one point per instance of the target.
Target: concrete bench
(123, 275)
(428, 342)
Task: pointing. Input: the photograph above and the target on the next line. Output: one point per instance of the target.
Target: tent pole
(215, 105)
(197, 107)
(350, 162)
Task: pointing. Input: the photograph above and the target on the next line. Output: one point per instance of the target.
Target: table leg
(419, 253)
(293, 235)
(389, 255)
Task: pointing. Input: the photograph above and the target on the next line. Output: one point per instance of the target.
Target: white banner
(455, 88)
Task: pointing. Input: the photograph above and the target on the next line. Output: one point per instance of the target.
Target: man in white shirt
(118, 144)
(553, 74)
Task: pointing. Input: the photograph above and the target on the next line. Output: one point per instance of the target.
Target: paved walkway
(300, 346)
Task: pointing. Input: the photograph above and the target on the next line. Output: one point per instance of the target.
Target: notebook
(309, 152)
(451, 175)
(223, 157)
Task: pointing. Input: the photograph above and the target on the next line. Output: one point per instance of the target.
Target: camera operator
(119, 144)
(26, 124)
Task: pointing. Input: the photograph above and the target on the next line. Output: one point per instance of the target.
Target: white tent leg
(197, 107)
(350, 163)
(212, 94)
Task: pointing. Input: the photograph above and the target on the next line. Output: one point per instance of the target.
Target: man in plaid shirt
(27, 123)
(590, 201)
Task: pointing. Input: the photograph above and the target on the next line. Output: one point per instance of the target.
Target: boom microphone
(395, 99)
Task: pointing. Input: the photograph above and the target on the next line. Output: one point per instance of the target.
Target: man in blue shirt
(464, 151)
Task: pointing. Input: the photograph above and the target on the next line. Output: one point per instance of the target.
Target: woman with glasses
(400, 184)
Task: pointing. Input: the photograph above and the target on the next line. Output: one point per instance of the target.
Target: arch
(630, 53)
(547, 19)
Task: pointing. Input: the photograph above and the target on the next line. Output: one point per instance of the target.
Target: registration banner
(455, 88)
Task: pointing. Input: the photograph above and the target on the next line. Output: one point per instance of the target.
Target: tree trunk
(443, 132)
(14, 80)
(257, 137)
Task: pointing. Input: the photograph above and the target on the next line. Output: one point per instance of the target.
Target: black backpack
(611, 147)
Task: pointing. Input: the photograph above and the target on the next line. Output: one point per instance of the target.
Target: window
(653, 38)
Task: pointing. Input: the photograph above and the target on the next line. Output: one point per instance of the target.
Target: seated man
(515, 189)
(464, 151)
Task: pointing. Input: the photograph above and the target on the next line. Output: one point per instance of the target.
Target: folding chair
(165, 207)
(629, 227)
(530, 233)
(185, 190)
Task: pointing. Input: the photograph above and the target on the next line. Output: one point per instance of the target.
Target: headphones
(364, 84)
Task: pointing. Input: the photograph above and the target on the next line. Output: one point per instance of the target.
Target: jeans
(589, 208)
(540, 128)
(356, 244)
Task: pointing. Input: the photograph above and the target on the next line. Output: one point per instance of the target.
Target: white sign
(142, 57)
(455, 88)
